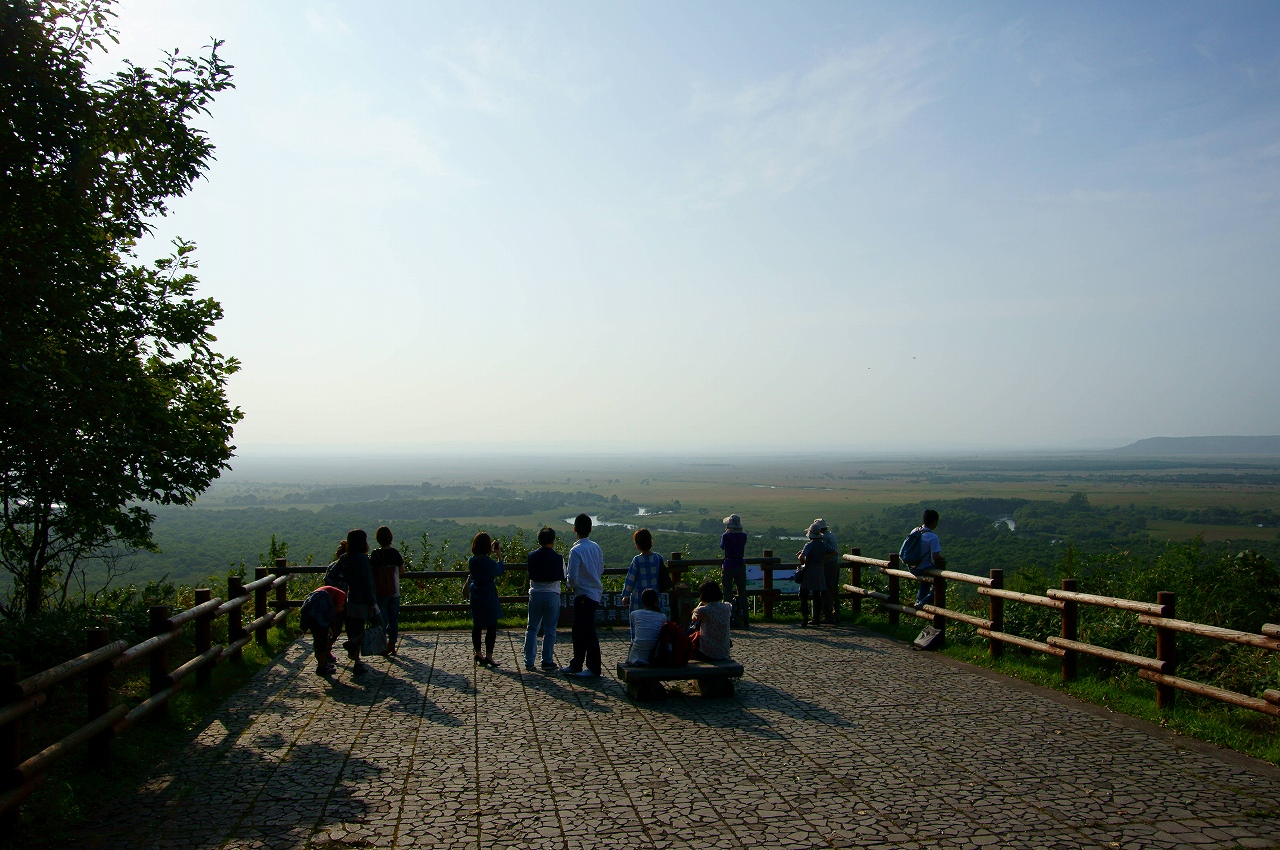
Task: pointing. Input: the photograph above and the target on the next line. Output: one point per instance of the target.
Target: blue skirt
(485, 612)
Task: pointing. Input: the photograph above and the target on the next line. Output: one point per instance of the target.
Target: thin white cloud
(778, 134)
(350, 144)
(327, 23)
(494, 74)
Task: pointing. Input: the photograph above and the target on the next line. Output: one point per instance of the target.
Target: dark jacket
(360, 589)
(336, 575)
(546, 565)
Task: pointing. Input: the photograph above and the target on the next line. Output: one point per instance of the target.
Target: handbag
(375, 635)
(799, 574)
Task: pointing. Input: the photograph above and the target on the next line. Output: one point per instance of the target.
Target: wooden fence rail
(770, 594)
(1159, 614)
(20, 777)
(677, 565)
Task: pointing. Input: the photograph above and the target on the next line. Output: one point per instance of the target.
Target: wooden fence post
(940, 601)
(835, 591)
(855, 579)
(235, 617)
(204, 636)
(10, 755)
(10, 751)
(679, 590)
(1166, 646)
(893, 589)
(282, 592)
(160, 656)
(260, 606)
(1070, 630)
(768, 587)
(995, 648)
(98, 696)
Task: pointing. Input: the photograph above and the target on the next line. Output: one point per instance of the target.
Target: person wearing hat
(734, 568)
(831, 572)
(813, 582)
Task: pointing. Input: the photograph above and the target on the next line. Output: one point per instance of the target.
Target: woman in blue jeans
(546, 571)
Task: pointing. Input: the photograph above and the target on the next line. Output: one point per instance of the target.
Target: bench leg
(715, 686)
(647, 691)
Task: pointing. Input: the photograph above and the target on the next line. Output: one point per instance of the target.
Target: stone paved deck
(828, 743)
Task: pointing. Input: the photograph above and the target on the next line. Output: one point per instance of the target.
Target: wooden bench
(714, 678)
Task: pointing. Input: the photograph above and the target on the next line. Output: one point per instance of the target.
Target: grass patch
(76, 789)
(1115, 688)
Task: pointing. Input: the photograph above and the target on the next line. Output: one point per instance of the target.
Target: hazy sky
(731, 225)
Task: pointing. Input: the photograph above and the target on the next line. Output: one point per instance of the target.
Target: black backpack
(673, 647)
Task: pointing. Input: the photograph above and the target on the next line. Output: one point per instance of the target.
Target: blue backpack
(913, 550)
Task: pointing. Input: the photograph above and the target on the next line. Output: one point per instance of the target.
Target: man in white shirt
(932, 556)
(586, 567)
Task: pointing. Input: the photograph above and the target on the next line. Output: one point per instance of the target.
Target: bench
(714, 678)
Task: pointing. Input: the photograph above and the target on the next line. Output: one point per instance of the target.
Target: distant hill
(1202, 446)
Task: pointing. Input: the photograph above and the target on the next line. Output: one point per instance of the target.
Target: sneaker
(549, 665)
(569, 671)
(585, 674)
(530, 668)
(358, 668)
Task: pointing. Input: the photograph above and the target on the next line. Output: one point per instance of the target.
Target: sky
(600, 227)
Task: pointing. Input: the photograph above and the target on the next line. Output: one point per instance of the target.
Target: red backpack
(673, 647)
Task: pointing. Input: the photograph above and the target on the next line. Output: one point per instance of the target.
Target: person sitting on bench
(710, 629)
(646, 622)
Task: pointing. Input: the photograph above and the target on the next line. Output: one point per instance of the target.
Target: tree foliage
(111, 395)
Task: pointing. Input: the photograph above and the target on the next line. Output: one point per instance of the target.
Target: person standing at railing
(733, 570)
(933, 559)
(546, 571)
(586, 569)
(388, 566)
(334, 575)
(482, 591)
(362, 596)
(830, 572)
(813, 581)
(644, 573)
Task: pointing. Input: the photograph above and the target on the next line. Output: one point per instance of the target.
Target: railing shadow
(557, 687)
(312, 786)
(434, 677)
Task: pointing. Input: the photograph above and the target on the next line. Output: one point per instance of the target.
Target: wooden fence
(678, 565)
(102, 657)
(269, 595)
(1160, 615)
